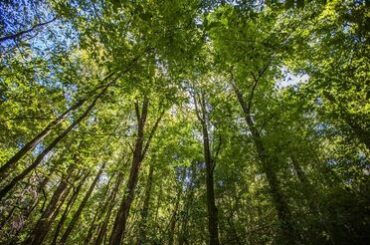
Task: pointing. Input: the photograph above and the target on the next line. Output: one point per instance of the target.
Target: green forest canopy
(184, 122)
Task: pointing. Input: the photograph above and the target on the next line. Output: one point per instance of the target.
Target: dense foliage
(184, 122)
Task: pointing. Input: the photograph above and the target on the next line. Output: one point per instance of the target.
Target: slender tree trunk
(21, 33)
(67, 209)
(47, 130)
(210, 165)
(183, 236)
(76, 216)
(100, 212)
(175, 212)
(37, 139)
(29, 211)
(145, 210)
(123, 212)
(281, 205)
(41, 156)
(211, 204)
(109, 205)
(43, 225)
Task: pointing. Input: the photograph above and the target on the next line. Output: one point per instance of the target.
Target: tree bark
(184, 234)
(76, 216)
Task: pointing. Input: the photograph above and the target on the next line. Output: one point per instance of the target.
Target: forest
(184, 122)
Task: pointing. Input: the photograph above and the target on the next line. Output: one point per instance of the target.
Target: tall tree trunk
(183, 236)
(76, 216)
(41, 156)
(281, 205)
(210, 165)
(211, 204)
(43, 225)
(68, 208)
(145, 210)
(122, 215)
(175, 212)
(108, 207)
(100, 212)
(47, 130)
(138, 156)
(37, 139)
(299, 172)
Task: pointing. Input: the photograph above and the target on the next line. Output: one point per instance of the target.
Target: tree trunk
(41, 156)
(281, 205)
(289, 4)
(145, 210)
(109, 206)
(76, 216)
(300, 3)
(174, 217)
(100, 212)
(123, 212)
(210, 165)
(47, 130)
(211, 204)
(67, 209)
(37, 139)
(184, 235)
(43, 225)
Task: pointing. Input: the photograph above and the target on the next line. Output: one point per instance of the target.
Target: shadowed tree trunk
(183, 236)
(202, 115)
(76, 216)
(42, 227)
(47, 130)
(145, 210)
(281, 205)
(108, 207)
(138, 156)
(41, 156)
(68, 208)
(100, 212)
(122, 215)
(175, 212)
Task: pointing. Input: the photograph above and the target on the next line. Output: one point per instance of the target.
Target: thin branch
(137, 111)
(152, 132)
(19, 34)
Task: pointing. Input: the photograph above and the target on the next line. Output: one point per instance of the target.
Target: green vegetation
(184, 122)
